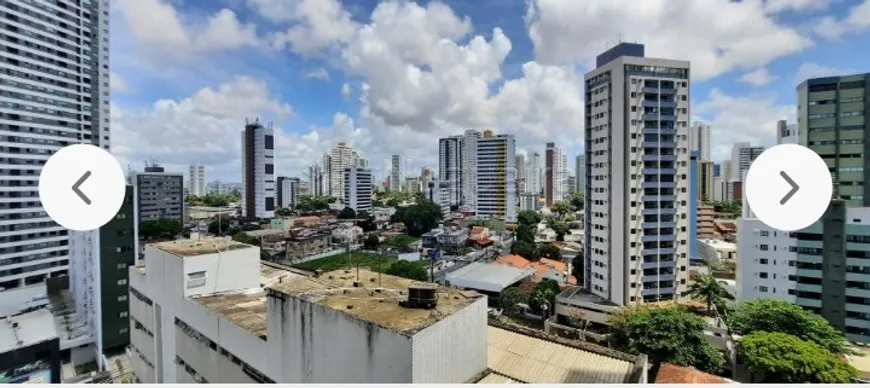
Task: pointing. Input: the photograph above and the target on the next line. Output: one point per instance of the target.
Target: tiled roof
(675, 374)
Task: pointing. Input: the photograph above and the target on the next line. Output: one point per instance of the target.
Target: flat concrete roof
(32, 328)
(487, 276)
(247, 308)
(206, 246)
(373, 301)
(526, 359)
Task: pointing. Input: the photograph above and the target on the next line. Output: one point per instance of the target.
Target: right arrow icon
(794, 187)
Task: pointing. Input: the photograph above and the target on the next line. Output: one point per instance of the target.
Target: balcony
(659, 171)
(658, 291)
(663, 224)
(659, 264)
(808, 287)
(659, 277)
(663, 185)
(658, 251)
(659, 157)
(659, 144)
(667, 91)
(659, 131)
(651, 90)
(658, 237)
(659, 197)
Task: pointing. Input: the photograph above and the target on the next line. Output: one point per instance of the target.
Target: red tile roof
(675, 374)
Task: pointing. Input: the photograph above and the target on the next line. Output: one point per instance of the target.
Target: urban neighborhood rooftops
(26, 329)
(376, 299)
(187, 248)
(487, 276)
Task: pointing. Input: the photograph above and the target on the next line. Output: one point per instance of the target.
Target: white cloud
(814, 70)
(117, 84)
(757, 77)
(715, 35)
(775, 6)
(346, 91)
(316, 25)
(856, 20)
(749, 118)
(319, 73)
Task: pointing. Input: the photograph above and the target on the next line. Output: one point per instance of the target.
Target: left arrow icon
(78, 191)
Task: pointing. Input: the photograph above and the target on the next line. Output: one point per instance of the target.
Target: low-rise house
(675, 374)
(302, 243)
(544, 269)
(716, 251)
(347, 234)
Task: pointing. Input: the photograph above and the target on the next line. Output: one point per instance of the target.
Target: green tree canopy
(673, 335)
(160, 228)
(509, 299)
(577, 268)
(784, 317)
(420, 217)
(561, 207)
(550, 251)
(409, 270)
(526, 233)
(525, 249)
(784, 358)
(211, 200)
(708, 289)
(578, 201)
(561, 230)
(222, 227)
(544, 295)
(734, 206)
(309, 203)
(366, 221)
(529, 217)
(282, 211)
(371, 242)
(346, 214)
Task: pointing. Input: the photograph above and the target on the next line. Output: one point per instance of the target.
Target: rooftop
(26, 329)
(675, 374)
(247, 309)
(577, 294)
(376, 300)
(488, 276)
(517, 357)
(186, 248)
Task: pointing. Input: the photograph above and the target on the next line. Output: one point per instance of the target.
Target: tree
(510, 298)
(672, 335)
(409, 270)
(282, 211)
(784, 317)
(526, 233)
(543, 297)
(245, 238)
(561, 230)
(346, 214)
(578, 201)
(577, 268)
(550, 251)
(160, 228)
(371, 242)
(784, 358)
(420, 217)
(525, 249)
(528, 217)
(247, 227)
(561, 207)
(708, 289)
(221, 226)
(366, 221)
(309, 203)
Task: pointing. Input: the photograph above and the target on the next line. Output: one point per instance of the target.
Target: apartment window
(762, 288)
(123, 330)
(763, 233)
(122, 298)
(762, 275)
(122, 265)
(762, 261)
(123, 314)
(762, 247)
(122, 282)
(196, 279)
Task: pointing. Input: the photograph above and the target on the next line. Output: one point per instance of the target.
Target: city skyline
(741, 96)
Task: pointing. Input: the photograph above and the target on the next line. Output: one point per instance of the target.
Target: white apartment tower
(55, 92)
(521, 173)
(396, 173)
(637, 156)
(197, 180)
(533, 174)
(358, 188)
(469, 169)
(555, 175)
(699, 139)
(258, 171)
(450, 171)
(341, 157)
(580, 174)
(495, 188)
(742, 156)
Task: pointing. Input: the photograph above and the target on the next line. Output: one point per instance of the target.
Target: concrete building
(713, 251)
(495, 185)
(520, 164)
(786, 133)
(699, 140)
(720, 189)
(158, 194)
(55, 93)
(29, 348)
(258, 171)
(288, 192)
(358, 185)
(317, 180)
(469, 169)
(450, 169)
(439, 192)
(832, 121)
(705, 188)
(534, 178)
(636, 213)
(529, 202)
(555, 175)
(396, 176)
(694, 178)
(706, 217)
(413, 186)
(340, 158)
(197, 180)
(742, 156)
(580, 174)
(98, 280)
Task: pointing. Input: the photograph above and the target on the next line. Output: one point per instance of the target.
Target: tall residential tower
(258, 171)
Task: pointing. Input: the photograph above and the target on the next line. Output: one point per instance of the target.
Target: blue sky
(392, 77)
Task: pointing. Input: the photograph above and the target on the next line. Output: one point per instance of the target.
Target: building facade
(197, 180)
(258, 171)
(705, 183)
(636, 213)
(54, 86)
(495, 191)
(340, 158)
(699, 139)
(358, 186)
(158, 194)
(832, 121)
(580, 174)
(694, 186)
(288, 192)
(555, 175)
(742, 156)
(396, 173)
(469, 169)
(520, 163)
(450, 168)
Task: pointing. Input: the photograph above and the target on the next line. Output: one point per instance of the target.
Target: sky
(391, 77)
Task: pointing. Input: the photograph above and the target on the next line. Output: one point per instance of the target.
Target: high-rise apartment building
(469, 169)
(197, 180)
(55, 92)
(705, 185)
(580, 174)
(742, 156)
(699, 140)
(450, 170)
(495, 187)
(534, 178)
(288, 192)
(786, 133)
(396, 173)
(832, 121)
(358, 188)
(341, 157)
(521, 173)
(555, 175)
(316, 181)
(637, 186)
(158, 194)
(258, 171)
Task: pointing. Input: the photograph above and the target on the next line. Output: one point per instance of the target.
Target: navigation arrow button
(76, 187)
(794, 188)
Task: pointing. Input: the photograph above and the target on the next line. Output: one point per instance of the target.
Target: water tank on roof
(422, 295)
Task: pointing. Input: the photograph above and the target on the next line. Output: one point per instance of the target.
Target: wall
(338, 349)
(230, 270)
(776, 261)
(453, 350)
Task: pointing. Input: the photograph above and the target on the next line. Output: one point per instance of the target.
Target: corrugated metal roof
(487, 276)
(495, 378)
(538, 361)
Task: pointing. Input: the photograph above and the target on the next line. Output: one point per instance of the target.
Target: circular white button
(82, 187)
(789, 187)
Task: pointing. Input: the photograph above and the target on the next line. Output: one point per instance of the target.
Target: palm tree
(708, 289)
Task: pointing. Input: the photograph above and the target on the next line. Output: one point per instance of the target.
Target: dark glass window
(270, 204)
(270, 168)
(270, 142)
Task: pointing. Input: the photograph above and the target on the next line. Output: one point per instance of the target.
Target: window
(123, 314)
(762, 261)
(762, 288)
(762, 247)
(764, 233)
(123, 330)
(762, 275)
(196, 279)
(122, 298)
(122, 282)
(122, 265)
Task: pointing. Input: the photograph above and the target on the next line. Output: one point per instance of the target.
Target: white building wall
(766, 266)
(197, 180)
(396, 173)
(358, 188)
(264, 182)
(454, 349)
(533, 174)
(450, 166)
(469, 168)
(340, 158)
(699, 139)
